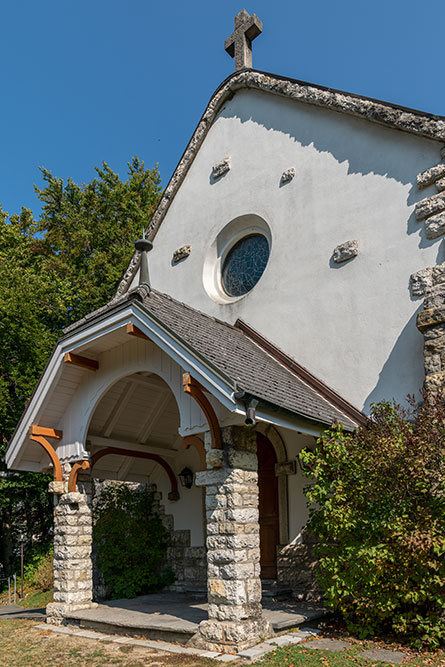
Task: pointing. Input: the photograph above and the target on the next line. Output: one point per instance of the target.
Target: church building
(290, 277)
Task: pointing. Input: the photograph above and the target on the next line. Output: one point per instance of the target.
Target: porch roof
(246, 364)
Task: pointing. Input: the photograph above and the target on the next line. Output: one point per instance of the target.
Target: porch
(151, 391)
(175, 617)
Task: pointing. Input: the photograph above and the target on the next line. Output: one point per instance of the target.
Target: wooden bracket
(39, 434)
(82, 362)
(46, 432)
(190, 440)
(75, 470)
(195, 389)
(173, 495)
(133, 330)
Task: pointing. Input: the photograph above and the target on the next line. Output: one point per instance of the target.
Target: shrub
(33, 559)
(378, 506)
(43, 578)
(131, 542)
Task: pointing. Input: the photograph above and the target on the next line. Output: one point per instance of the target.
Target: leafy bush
(34, 559)
(131, 542)
(378, 507)
(43, 578)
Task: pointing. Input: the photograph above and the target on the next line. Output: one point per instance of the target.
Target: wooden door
(268, 507)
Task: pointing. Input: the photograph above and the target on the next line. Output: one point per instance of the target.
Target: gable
(354, 180)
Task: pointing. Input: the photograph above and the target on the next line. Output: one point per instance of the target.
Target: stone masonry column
(73, 572)
(431, 322)
(233, 545)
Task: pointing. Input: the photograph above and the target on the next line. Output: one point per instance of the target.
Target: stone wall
(297, 568)
(431, 322)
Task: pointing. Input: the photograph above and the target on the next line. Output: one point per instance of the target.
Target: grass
(22, 645)
(31, 596)
(301, 655)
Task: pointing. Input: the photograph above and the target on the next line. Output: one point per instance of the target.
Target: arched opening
(269, 519)
(138, 413)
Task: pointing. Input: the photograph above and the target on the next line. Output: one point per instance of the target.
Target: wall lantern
(186, 477)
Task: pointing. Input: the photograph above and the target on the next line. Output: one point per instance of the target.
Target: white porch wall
(187, 512)
(298, 512)
(352, 325)
(123, 360)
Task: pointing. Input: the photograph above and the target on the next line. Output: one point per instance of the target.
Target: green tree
(53, 271)
(377, 503)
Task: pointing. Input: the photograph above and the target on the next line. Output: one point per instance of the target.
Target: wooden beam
(82, 362)
(190, 440)
(133, 330)
(173, 495)
(195, 389)
(119, 408)
(154, 415)
(77, 467)
(43, 442)
(45, 432)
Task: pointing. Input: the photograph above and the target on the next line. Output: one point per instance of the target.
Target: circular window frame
(234, 231)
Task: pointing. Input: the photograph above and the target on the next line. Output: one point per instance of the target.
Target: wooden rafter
(140, 455)
(75, 470)
(82, 362)
(133, 330)
(193, 387)
(119, 407)
(154, 415)
(193, 440)
(40, 434)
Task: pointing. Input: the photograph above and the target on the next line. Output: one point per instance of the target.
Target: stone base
(56, 611)
(229, 636)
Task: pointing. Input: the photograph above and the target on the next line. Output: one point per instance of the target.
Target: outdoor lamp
(186, 477)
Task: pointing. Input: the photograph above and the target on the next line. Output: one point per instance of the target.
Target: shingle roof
(245, 362)
(234, 354)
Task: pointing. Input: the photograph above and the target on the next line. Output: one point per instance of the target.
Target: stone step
(271, 590)
(175, 617)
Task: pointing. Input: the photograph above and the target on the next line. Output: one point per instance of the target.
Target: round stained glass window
(244, 264)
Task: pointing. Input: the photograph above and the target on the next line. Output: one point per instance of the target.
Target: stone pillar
(431, 322)
(73, 572)
(233, 546)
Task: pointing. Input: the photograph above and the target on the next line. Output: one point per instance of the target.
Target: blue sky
(89, 80)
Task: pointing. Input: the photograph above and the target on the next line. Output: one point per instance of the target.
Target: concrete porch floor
(176, 616)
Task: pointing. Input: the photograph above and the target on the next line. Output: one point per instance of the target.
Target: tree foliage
(378, 507)
(131, 542)
(54, 270)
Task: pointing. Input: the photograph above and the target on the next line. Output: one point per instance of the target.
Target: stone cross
(239, 44)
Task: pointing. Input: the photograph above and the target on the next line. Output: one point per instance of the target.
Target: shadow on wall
(395, 372)
(354, 140)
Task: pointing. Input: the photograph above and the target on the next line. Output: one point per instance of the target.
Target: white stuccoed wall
(353, 324)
